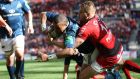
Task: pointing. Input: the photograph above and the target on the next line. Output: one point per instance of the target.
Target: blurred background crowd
(122, 16)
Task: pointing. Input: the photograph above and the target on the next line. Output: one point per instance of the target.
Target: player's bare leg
(10, 65)
(87, 72)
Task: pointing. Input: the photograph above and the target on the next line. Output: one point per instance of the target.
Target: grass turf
(52, 69)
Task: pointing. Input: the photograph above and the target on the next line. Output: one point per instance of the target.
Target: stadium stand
(117, 14)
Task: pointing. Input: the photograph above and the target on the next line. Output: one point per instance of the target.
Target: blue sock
(19, 68)
(22, 69)
(11, 70)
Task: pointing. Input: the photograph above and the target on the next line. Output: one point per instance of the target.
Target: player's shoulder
(73, 23)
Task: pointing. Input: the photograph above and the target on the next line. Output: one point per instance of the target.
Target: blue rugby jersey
(13, 13)
(70, 32)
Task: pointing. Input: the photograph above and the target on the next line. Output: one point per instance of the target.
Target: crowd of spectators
(116, 13)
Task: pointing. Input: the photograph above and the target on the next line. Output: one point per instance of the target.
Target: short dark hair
(60, 18)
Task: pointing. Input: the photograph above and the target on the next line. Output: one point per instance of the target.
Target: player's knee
(19, 56)
(10, 60)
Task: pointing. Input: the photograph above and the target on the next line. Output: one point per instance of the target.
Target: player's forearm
(43, 18)
(43, 21)
(59, 44)
(29, 18)
(2, 22)
(66, 52)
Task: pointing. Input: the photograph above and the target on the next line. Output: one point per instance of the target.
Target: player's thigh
(89, 58)
(18, 45)
(6, 45)
(87, 72)
(94, 55)
(84, 66)
(103, 61)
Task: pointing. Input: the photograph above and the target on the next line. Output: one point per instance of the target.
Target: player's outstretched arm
(43, 21)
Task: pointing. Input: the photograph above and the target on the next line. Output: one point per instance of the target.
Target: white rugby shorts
(11, 44)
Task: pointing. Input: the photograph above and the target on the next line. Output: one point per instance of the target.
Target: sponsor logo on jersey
(12, 11)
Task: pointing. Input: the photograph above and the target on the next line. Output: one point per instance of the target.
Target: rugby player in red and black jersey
(107, 46)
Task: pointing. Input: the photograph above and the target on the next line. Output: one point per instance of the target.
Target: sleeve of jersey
(69, 39)
(25, 6)
(51, 16)
(82, 33)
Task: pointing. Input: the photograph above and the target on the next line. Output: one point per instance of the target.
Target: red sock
(130, 65)
(127, 73)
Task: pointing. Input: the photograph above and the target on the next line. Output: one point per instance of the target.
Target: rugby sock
(130, 65)
(11, 70)
(22, 69)
(19, 65)
(127, 73)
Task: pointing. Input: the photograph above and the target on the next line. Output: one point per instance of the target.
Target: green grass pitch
(52, 69)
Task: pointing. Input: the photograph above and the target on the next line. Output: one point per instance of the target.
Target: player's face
(82, 15)
(59, 27)
(86, 14)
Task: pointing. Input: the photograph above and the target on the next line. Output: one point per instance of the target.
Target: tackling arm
(70, 51)
(59, 44)
(66, 52)
(78, 42)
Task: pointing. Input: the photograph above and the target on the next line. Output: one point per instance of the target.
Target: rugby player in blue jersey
(12, 33)
(67, 28)
(61, 26)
